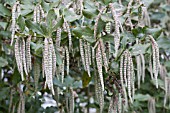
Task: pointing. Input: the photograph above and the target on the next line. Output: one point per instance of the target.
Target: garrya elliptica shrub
(93, 56)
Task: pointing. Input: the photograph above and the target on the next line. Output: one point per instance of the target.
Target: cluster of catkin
(101, 60)
(16, 11)
(49, 62)
(23, 55)
(85, 52)
(127, 75)
(38, 14)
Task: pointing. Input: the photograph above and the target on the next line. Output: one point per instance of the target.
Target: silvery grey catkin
(81, 44)
(16, 11)
(155, 58)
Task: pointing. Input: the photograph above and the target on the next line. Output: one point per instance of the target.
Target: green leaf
(139, 49)
(45, 29)
(77, 84)
(164, 43)
(34, 27)
(89, 39)
(50, 18)
(57, 82)
(3, 24)
(71, 16)
(79, 31)
(85, 79)
(4, 11)
(3, 62)
(21, 23)
(68, 81)
(59, 23)
(106, 18)
(155, 32)
(89, 13)
(101, 25)
(141, 97)
(5, 33)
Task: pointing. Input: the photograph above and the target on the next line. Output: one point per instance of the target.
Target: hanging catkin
(100, 95)
(15, 7)
(81, 44)
(67, 59)
(104, 55)
(150, 67)
(87, 58)
(155, 58)
(89, 52)
(132, 76)
(118, 26)
(121, 70)
(24, 56)
(125, 68)
(58, 39)
(18, 56)
(143, 67)
(48, 62)
(99, 65)
(28, 54)
(50, 66)
(62, 65)
(54, 59)
(139, 73)
(128, 77)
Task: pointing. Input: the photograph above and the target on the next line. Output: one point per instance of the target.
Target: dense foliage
(85, 56)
